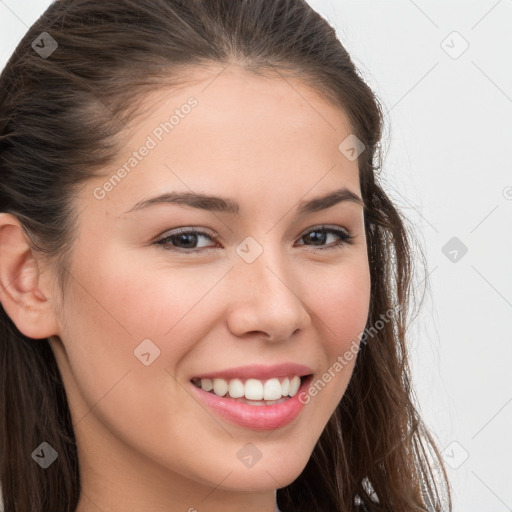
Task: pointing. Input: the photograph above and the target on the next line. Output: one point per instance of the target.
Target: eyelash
(346, 238)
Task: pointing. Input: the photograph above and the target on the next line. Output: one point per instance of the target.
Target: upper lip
(258, 371)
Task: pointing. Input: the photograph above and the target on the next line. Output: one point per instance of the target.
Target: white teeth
(285, 386)
(236, 388)
(294, 386)
(220, 387)
(272, 390)
(253, 389)
(207, 384)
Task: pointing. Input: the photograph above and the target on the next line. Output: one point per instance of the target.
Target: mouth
(257, 392)
(254, 413)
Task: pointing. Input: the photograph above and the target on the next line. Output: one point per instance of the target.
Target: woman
(168, 339)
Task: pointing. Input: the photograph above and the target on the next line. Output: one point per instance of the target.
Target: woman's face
(256, 286)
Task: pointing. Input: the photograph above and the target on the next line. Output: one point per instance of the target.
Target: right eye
(182, 240)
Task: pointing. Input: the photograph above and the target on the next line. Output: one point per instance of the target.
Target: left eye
(320, 234)
(189, 238)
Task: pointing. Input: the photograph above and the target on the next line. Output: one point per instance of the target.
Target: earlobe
(23, 292)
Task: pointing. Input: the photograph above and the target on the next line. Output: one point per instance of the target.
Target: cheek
(108, 315)
(340, 304)
(142, 296)
(341, 299)
(120, 317)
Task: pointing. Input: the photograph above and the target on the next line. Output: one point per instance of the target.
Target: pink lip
(264, 417)
(259, 371)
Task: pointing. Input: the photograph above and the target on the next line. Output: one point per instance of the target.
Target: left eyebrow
(231, 207)
(330, 199)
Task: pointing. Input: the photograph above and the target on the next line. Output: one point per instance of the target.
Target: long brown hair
(61, 116)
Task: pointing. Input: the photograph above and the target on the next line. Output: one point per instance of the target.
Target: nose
(265, 299)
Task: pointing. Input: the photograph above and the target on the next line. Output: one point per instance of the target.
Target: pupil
(317, 236)
(191, 237)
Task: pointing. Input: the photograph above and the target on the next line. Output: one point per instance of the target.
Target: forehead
(227, 127)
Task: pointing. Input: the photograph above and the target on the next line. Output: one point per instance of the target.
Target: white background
(447, 167)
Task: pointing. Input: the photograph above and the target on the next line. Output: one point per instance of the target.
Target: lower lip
(261, 417)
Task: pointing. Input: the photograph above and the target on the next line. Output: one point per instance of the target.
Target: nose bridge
(266, 293)
(263, 266)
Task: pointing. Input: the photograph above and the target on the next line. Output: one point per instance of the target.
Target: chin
(264, 477)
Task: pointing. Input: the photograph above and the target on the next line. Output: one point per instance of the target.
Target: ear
(25, 293)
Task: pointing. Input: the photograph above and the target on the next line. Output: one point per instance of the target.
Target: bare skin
(145, 443)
